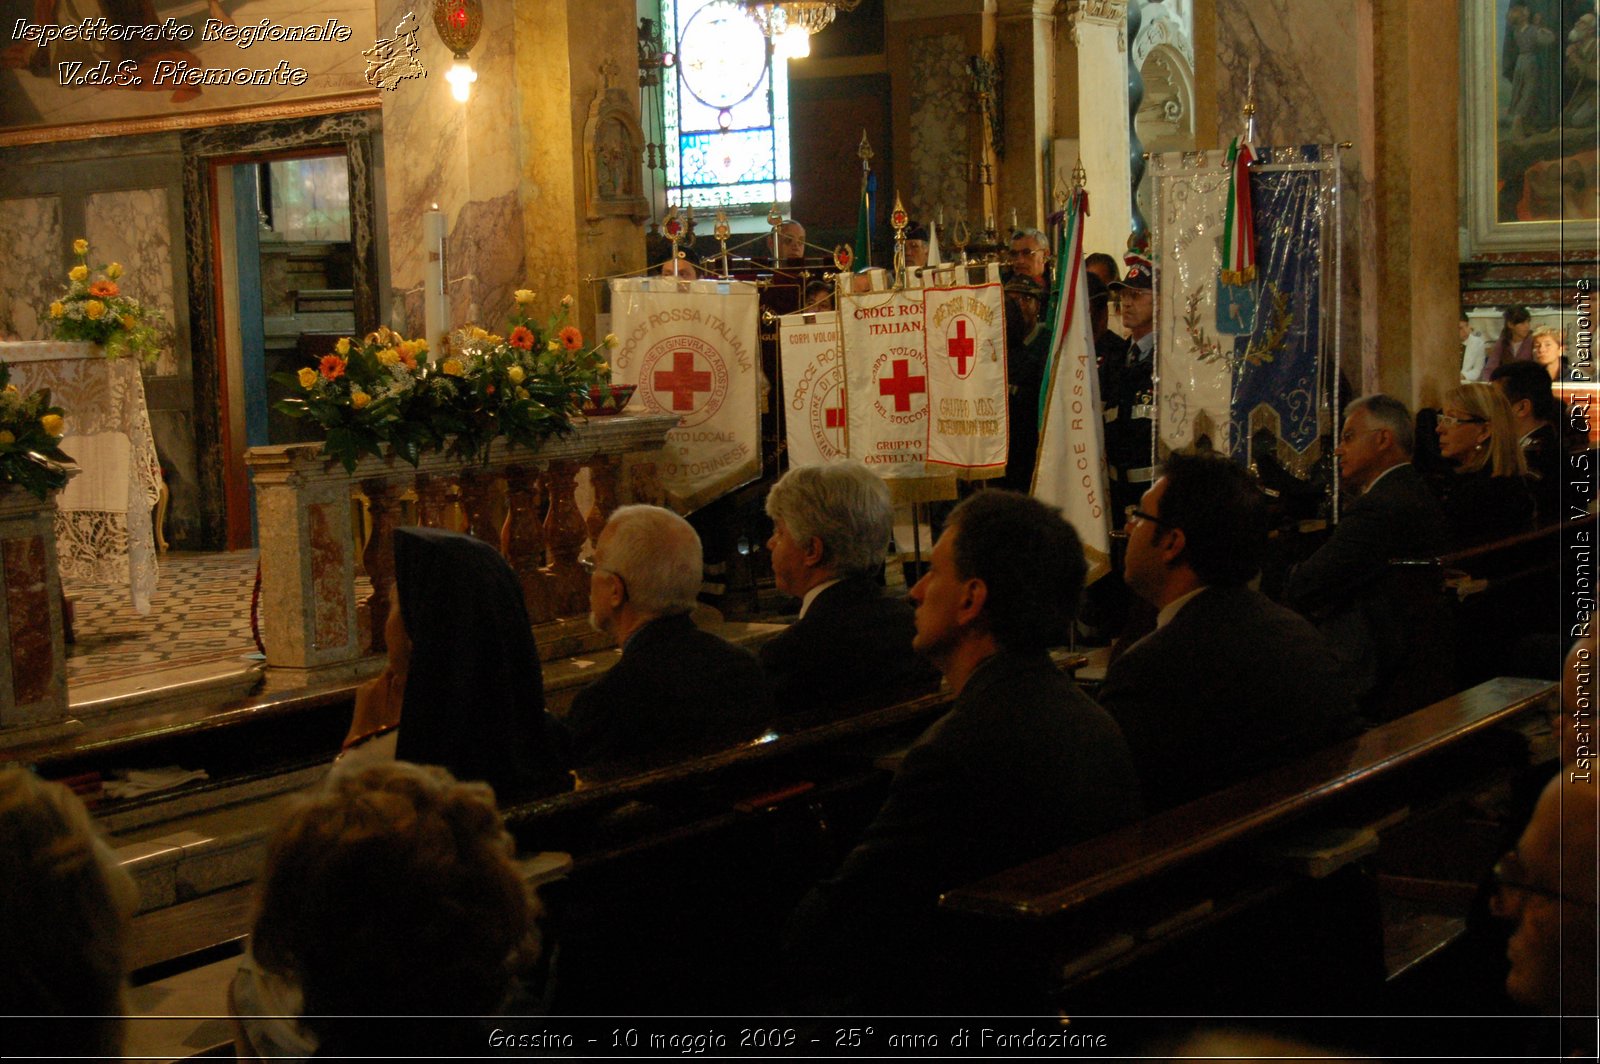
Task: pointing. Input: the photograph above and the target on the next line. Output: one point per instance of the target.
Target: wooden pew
(1250, 898)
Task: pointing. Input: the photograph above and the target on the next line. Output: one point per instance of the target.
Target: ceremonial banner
(691, 349)
(886, 378)
(1071, 468)
(813, 387)
(965, 342)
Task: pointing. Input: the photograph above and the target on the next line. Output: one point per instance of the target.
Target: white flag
(965, 340)
(691, 348)
(813, 387)
(886, 377)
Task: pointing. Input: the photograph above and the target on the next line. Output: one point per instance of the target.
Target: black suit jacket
(1234, 685)
(853, 646)
(1482, 508)
(1022, 765)
(674, 684)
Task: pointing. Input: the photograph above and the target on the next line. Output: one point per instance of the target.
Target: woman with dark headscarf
(463, 676)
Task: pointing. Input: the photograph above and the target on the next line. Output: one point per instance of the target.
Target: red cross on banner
(902, 385)
(683, 381)
(961, 347)
(834, 417)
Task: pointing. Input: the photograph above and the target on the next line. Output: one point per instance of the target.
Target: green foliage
(30, 439)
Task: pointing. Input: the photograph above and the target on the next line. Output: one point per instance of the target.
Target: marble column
(1098, 29)
(33, 661)
(1025, 35)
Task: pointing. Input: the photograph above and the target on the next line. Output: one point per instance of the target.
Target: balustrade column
(477, 502)
(564, 531)
(522, 542)
(383, 504)
(603, 481)
(433, 501)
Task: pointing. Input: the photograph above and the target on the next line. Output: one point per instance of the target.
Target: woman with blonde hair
(1549, 351)
(1488, 497)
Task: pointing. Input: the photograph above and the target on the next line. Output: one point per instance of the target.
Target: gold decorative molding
(366, 100)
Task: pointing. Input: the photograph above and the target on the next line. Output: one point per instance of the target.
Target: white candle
(435, 308)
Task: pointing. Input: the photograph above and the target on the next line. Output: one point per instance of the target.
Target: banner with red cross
(691, 348)
(886, 378)
(966, 342)
(812, 368)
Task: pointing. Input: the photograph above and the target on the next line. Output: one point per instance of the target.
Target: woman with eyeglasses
(1488, 497)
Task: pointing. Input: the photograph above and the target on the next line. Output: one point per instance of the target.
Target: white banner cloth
(812, 368)
(886, 378)
(965, 343)
(691, 347)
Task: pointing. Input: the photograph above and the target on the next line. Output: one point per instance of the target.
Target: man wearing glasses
(674, 683)
(1030, 256)
(1389, 513)
(1230, 683)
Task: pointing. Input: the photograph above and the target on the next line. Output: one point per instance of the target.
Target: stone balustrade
(33, 664)
(525, 502)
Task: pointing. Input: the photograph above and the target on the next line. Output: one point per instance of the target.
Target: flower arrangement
(30, 439)
(93, 308)
(364, 394)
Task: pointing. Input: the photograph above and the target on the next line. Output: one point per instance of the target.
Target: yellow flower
(79, 273)
(127, 322)
(494, 338)
(308, 377)
(419, 346)
(524, 295)
(554, 345)
(343, 346)
(522, 393)
(53, 424)
(479, 334)
(611, 340)
(11, 389)
(515, 374)
(80, 246)
(359, 399)
(7, 438)
(114, 271)
(451, 367)
(95, 309)
(388, 356)
(566, 301)
(56, 309)
(602, 367)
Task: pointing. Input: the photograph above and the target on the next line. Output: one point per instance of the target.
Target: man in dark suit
(1345, 588)
(674, 683)
(1229, 684)
(852, 644)
(1022, 765)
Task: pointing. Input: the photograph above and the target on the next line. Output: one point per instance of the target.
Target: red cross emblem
(833, 417)
(683, 381)
(961, 347)
(902, 385)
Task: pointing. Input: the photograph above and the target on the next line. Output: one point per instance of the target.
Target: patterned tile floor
(200, 613)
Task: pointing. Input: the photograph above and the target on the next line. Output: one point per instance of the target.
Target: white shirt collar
(811, 596)
(1170, 610)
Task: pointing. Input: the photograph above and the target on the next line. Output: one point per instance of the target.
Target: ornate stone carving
(1105, 12)
(613, 153)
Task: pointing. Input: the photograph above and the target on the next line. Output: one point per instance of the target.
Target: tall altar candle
(435, 308)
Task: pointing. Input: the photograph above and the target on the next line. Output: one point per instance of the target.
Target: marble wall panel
(33, 661)
(32, 270)
(130, 227)
(941, 114)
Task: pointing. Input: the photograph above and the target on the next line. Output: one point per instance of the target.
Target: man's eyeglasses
(1133, 512)
(1509, 874)
(1347, 437)
(589, 566)
(1023, 253)
(1450, 421)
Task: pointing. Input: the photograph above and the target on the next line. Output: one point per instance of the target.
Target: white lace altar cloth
(103, 529)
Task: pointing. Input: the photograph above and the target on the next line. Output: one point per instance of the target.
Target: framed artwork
(1529, 147)
(71, 69)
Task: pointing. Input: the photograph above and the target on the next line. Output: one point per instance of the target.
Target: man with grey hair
(1391, 514)
(674, 683)
(1030, 256)
(852, 644)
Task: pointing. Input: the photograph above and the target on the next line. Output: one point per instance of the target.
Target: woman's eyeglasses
(1450, 421)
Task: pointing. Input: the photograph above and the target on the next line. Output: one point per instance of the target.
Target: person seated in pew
(1487, 496)
(851, 645)
(1535, 413)
(1022, 765)
(391, 903)
(65, 904)
(1230, 684)
(674, 682)
(1546, 887)
(463, 676)
(1391, 515)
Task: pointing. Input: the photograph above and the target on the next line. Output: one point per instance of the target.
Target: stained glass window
(727, 109)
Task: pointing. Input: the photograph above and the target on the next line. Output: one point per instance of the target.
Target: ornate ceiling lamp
(789, 24)
(459, 23)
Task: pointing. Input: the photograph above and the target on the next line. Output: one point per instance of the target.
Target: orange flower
(571, 338)
(522, 337)
(104, 289)
(332, 367)
(407, 359)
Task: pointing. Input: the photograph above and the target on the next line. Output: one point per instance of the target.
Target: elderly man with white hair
(831, 525)
(674, 683)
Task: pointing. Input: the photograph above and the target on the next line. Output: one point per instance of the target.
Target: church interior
(264, 182)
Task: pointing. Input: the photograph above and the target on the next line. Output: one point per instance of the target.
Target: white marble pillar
(1098, 29)
(1025, 31)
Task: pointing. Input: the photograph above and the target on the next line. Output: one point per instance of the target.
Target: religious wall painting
(1529, 71)
(75, 68)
